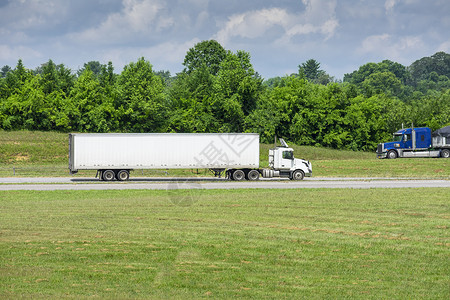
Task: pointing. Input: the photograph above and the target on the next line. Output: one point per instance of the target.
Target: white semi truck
(114, 155)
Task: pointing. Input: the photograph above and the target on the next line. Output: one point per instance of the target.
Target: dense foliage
(219, 91)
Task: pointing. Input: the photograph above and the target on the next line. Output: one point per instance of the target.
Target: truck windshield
(398, 137)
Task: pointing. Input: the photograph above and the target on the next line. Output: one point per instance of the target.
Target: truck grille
(380, 148)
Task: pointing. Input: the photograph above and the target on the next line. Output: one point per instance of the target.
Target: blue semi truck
(417, 142)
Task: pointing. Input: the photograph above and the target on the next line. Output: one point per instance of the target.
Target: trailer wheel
(392, 154)
(253, 175)
(238, 175)
(108, 175)
(123, 175)
(298, 175)
(445, 153)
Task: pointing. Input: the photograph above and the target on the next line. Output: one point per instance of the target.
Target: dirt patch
(21, 157)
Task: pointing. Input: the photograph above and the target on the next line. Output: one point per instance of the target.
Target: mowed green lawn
(33, 153)
(261, 244)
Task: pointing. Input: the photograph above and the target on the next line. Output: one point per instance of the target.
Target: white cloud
(14, 53)
(318, 17)
(162, 56)
(318, 11)
(445, 46)
(388, 46)
(389, 5)
(32, 14)
(137, 17)
(278, 34)
(252, 24)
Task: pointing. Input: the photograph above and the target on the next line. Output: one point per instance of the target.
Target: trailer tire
(123, 175)
(238, 175)
(445, 153)
(298, 175)
(253, 175)
(108, 175)
(392, 154)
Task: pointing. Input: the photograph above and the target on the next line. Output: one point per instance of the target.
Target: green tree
(165, 76)
(221, 96)
(432, 111)
(107, 79)
(66, 79)
(382, 82)
(49, 78)
(311, 71)
(55, 78)
(94, 66)
(265, 119)
(92, 112)
(189, 98)
(140, 99)
(359, 76)
(14, 80)
(238, 80)
(422, 68)
(24, 108)
(273, 82)
(29, 107)
(5, 70)
(277, 108)
(206, 53)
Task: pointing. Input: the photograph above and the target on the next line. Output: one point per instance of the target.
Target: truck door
(407, 141)
(287, 159)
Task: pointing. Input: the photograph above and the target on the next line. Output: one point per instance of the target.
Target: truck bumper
(382, 155)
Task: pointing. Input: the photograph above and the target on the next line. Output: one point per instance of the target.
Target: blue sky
(279, 35)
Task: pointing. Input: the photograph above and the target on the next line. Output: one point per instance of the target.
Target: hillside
(34, 153)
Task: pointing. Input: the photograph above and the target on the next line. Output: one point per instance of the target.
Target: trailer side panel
(163, 151)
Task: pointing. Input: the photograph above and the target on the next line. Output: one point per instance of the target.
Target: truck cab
(282, 163)
(409, 142)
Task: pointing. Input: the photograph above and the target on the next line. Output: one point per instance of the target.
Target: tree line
(219, 91)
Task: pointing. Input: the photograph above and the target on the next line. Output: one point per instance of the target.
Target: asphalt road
(165, 183)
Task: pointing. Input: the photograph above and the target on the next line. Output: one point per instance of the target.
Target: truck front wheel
(445, 153)
(298, 175)
(392, 154)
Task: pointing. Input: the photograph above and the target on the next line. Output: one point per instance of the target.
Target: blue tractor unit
(417, 142)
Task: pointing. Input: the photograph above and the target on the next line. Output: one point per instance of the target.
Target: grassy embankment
(260, 244)
(28, 153)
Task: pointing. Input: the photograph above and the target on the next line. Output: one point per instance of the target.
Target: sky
(341, 35)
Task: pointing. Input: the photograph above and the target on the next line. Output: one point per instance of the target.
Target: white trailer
(114, 155)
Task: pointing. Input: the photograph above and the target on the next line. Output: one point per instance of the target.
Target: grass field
(260, 244)
(25, 153)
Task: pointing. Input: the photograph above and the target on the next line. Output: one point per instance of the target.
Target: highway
(167, 183)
